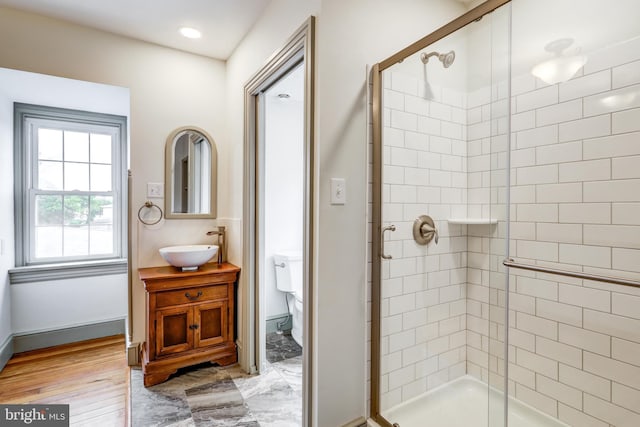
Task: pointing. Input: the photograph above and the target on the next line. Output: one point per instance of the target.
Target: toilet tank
(288, 267)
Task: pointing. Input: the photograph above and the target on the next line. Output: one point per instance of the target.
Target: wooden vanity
(189, 318)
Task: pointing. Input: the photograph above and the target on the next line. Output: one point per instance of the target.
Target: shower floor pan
(463, 403)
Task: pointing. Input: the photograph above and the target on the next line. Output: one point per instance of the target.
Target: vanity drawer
(191, 295)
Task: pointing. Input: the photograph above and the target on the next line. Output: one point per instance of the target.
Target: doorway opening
(282, 111)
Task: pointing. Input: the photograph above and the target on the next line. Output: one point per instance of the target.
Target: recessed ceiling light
(190, 33)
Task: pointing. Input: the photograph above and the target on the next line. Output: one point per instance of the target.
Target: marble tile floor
(281, 347)
(207, 395)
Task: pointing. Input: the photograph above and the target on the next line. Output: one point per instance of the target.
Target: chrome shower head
(446, 58)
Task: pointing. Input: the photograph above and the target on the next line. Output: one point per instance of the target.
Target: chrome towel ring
(150, 205)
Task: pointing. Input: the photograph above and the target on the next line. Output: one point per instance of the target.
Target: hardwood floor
(91, 376)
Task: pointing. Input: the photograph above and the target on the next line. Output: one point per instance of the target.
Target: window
(70, 187)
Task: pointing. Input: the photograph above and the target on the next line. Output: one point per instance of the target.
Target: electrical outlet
(155, 189)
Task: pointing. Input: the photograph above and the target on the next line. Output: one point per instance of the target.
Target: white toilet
(289, 279)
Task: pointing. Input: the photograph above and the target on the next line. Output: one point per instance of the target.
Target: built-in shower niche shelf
(472, 221)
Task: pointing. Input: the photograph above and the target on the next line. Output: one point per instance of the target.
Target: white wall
(6, 214)
(279, 21)
(351, 35)
(168, 89)
(47, 306)
(36, 307)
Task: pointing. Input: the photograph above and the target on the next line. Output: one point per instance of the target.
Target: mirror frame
(168, 176)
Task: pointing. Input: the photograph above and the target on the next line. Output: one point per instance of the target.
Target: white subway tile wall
(436, 299)
(574, 345)
(578, 356)
(424, 328)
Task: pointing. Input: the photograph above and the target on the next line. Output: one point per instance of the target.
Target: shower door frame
(377, 238)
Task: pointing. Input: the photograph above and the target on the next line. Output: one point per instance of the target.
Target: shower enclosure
(506, 220)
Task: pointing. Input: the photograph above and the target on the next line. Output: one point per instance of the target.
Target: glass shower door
(574, 341)
(442, 164)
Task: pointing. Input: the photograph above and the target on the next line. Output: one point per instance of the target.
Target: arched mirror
(190, 174)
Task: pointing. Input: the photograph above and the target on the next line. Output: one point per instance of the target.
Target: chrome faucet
(222, 243)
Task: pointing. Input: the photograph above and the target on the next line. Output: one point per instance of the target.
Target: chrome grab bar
(508, 262)
(382, 254)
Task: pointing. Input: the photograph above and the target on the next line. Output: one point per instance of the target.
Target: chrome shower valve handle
(424, 230)
(427, 230)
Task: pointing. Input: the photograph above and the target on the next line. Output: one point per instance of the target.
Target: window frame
(27, 269)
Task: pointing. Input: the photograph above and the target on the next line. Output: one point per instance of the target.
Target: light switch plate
(338, 191)
(155, 189)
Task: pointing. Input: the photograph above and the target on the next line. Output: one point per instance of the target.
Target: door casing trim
(300, 46)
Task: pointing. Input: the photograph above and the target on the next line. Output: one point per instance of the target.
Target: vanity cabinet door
(174, 330)
(211, 319)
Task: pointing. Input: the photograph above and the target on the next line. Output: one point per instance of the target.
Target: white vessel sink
(188, 257)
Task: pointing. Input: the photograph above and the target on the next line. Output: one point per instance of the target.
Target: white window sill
(48, 272)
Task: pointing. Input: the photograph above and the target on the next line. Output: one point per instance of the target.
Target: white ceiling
(223, 23)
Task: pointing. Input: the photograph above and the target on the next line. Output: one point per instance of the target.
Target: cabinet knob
(193, 297)
(193, 327)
